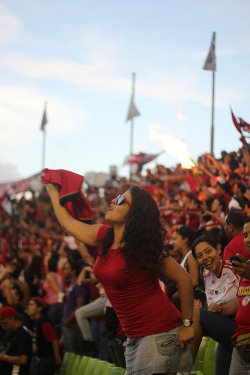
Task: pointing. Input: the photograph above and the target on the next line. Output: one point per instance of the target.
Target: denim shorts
(157, 354)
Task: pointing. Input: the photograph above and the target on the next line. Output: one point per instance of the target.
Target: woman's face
(179, 242)
(208, 257)
(215, 205)
(117, 214)
(246, 234)
(32, 308)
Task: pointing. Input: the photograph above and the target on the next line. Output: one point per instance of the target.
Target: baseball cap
(7, 312)
(41, 302)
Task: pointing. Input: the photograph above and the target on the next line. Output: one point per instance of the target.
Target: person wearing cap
(18, 344)
(46, 337)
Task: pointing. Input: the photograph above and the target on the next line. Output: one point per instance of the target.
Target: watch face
(187, 322)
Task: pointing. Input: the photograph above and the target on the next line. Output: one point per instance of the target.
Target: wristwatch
(187, 322)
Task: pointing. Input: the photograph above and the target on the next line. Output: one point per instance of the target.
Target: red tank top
(135, 294)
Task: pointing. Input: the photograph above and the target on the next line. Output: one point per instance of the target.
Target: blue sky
(79, 57)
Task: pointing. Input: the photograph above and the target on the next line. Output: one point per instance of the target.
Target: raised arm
(83, 232)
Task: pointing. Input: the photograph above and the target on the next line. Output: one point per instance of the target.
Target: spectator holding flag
(130, 258)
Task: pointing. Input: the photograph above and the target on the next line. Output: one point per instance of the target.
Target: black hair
(144, 233)
(186, 232)
(242, 187)
(168, 247)
(234, 175)
(247, 220)
(75, 266)
(38, 303)
(205, 238)
(16, 273)
(52, 264)
(19, 293)
(236, 217)
(225, 186)
(233, 163)
(222, 203)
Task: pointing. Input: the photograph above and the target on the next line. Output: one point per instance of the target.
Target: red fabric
(71, 195)
(41, 302)
(49, 332)
(135, 294)
(7, 312)
(192, 182)
(236, 245)
(243, 313)
(236, 124)
(193, 220)
(244, 125)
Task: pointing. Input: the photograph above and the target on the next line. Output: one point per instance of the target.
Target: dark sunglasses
(121, 200)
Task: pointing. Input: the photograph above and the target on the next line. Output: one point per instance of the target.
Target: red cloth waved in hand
(71, 195)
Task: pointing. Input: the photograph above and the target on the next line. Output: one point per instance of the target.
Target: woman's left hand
(186, 336)
(214, 307)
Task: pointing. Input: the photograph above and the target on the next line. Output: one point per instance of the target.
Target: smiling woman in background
(221, 285)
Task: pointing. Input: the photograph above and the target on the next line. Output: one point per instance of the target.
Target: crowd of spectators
(38, 259)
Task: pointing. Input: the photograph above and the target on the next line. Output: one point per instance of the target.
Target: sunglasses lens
(120, 200)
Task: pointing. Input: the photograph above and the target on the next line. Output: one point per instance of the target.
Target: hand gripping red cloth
(71, 195)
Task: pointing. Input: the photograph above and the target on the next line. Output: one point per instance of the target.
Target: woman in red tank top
(130, 259)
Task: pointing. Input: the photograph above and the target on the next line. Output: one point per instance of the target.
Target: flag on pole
(238, 127)
(133, 111)
(236, 124)
(210, 63)
(140, 158)
(243, 140)
(244, 125)
(44, 119)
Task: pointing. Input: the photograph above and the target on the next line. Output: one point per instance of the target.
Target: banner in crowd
(19, 186)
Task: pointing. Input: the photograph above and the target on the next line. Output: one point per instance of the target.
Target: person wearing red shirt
(241, 339)
(130, 258)
(234, 222)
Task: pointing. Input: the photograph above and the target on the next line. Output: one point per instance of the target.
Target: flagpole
(132, 119)
(44, 121)
(212, 120)
(210, 64)
(43, 150)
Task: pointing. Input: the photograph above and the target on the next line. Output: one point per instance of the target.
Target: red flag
(71, 195)
(243, 140)
(244, 125)
(237, 125)
(140, 158)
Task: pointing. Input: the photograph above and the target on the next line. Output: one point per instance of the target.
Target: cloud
(8, 172)
(10, 25)
(21, 114)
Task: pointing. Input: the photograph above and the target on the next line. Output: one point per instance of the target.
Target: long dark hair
(186, 232)
(144, 233)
